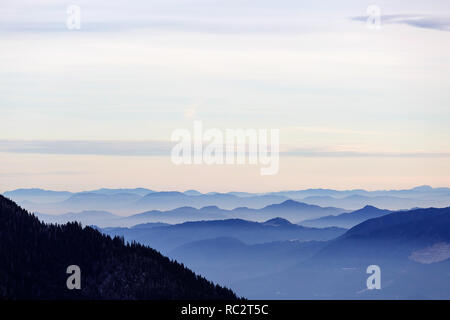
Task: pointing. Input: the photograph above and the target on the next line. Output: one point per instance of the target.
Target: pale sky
(95, 107)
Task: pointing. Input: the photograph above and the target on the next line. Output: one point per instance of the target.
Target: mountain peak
(422, 188)
(276, 222)
(289, 204)
(163, 194)
(371, 209)
(210, 208)
(192, 192)
(367, 207)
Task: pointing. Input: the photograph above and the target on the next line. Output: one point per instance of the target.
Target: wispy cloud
(218, 17)
(116, 148)
(441, 23)
(41, 173)
(163, 148)
(352, 154)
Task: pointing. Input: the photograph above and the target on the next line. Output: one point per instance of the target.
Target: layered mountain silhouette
(133, 201)
(392, 237)
(87, 218)
(167, 238)
(256, 251)
(228, 261)
(37, 195)
(34, 258)
(288, 209)
(347, 219)
(47, 196)
(177, 215)
(411, 248)
(357, 201)
(126, 203)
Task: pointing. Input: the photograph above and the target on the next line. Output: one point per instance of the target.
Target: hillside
(34, 258)
(392, 237)
(412, 249)
(229, 261)
(347, 219)
(167, 238)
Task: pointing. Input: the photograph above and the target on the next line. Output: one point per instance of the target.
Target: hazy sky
(95, 107)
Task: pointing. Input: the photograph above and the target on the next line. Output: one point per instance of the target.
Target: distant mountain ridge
(260, 253)
(412, 249)
(124, 203)
(289, 209)
(87, 218)
(407, 230)
(127, 201)
(167, 238)
(347, 219)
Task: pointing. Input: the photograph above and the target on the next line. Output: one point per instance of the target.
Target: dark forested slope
(34, 258)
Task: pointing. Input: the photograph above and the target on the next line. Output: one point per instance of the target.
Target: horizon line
(227, 192)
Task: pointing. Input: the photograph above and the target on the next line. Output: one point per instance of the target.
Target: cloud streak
(441, 23)
(99, 147)
(163, 148)
(358, 154)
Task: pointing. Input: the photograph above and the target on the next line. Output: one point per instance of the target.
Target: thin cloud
(352, 154)
(43, 173)
(441, 23)
(115, 148)
(163, 148)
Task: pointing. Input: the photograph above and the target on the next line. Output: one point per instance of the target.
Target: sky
(357, 107)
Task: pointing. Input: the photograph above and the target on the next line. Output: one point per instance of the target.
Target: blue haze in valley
(299, 244)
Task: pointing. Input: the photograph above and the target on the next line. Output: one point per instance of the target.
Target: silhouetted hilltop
(34, 258)
(346, 219)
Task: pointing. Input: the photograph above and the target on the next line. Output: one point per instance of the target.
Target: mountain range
(346, 219)
(289, 209)
(126, 203)
(133, 201)
(167, 238)
(228, 260)
(257, 252)
(412, 250)
(276, 259)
